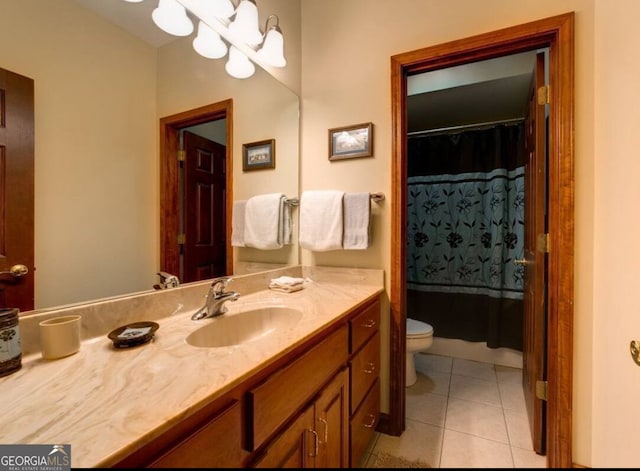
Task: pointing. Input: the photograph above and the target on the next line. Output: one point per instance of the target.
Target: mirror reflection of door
(16, 191)
(204, 206)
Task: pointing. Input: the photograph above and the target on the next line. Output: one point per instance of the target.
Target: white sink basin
(242, 327)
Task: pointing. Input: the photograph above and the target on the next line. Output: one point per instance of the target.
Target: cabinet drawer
(363, 325)
(364, 370)
(216, 445)
(363, 424)
(273, 402)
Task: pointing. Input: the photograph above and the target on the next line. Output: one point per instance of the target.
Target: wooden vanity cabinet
(364, 371)
(318, 437)
(316, 406)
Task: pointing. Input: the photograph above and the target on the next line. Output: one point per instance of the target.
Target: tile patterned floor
(463, 414)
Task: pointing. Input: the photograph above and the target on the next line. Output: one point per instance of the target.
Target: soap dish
(132, 335)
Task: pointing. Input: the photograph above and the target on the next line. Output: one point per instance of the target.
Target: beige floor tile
(433, 363)
(474, 369)
(460, 450)
(509, 375)
(518, 428)
(472, 389)
(434, 383)
(512, 396)
(474, 418)
(418, 442)
(528, 459)
(425, 407)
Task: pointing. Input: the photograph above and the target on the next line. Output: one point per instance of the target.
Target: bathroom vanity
(306, 394)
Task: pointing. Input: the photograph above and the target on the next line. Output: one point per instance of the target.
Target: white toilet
(419, 338)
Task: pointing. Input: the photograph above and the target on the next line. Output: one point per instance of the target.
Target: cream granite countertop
(107, 403)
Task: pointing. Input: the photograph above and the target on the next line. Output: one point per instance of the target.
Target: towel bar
(374, 197)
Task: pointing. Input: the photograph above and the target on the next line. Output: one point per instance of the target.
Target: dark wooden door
(16, 191)
(204, 209)
(535, 335)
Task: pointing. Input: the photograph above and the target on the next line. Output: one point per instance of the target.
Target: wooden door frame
(556, 33)
(170, 184)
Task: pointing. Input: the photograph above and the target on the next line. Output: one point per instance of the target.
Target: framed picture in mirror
(258, 155)
(349, 142)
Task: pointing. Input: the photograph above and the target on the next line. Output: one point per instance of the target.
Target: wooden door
(332, 423)
(204, 249)
(535, 335)
(16, 191)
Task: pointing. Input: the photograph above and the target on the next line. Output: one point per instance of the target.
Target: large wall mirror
(100, 92)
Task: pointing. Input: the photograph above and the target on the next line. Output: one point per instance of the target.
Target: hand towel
(263, 221)
(321, 220)
(286, 223)
(237, 223)
(357, 214)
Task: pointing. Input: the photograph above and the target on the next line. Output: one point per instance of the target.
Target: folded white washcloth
(357, 214)
(287, 284)
(321, 220)
(263, 221)
(287, 289)
(237, 223)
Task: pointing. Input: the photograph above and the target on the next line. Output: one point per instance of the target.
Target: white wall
(616, 232)
(347, 45)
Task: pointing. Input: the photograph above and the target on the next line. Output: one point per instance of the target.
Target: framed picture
(257, 155)
(350, 142)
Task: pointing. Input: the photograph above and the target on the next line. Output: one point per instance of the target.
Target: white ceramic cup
(60, 337)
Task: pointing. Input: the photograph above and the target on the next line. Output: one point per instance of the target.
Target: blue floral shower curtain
(465, 230)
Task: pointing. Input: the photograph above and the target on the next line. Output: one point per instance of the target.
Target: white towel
(357, 214)
(285, 223)
(287, 284)
(321, 220)
(263, 221)
(237, 223)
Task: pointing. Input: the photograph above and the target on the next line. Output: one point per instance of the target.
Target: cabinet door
(216, 445)
(296, 447)
(332, 423)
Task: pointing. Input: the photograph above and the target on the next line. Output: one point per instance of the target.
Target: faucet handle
(218, 285)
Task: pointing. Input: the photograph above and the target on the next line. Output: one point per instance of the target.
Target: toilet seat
(418, 329)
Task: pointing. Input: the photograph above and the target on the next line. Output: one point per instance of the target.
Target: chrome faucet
(216, 298)
(167, 280)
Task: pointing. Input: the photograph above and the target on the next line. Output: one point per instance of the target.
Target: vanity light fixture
(218, 20)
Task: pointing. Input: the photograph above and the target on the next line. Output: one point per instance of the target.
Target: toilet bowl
(419, 339)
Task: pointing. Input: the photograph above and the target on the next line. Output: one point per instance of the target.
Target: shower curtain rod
(463, 127)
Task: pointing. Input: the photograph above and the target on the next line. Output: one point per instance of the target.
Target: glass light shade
(245, 24)
(218, 8)
(239, 65)
(172, 17)
(272, 51)
(208, 43)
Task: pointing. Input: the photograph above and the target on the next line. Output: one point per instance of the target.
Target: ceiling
(486, 91)
(132, 17)
(475, 93)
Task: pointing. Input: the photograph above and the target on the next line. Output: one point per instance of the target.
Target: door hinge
(543, 95)
(182, 155)
(541, 390)
(182, 239)
(543, 243)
